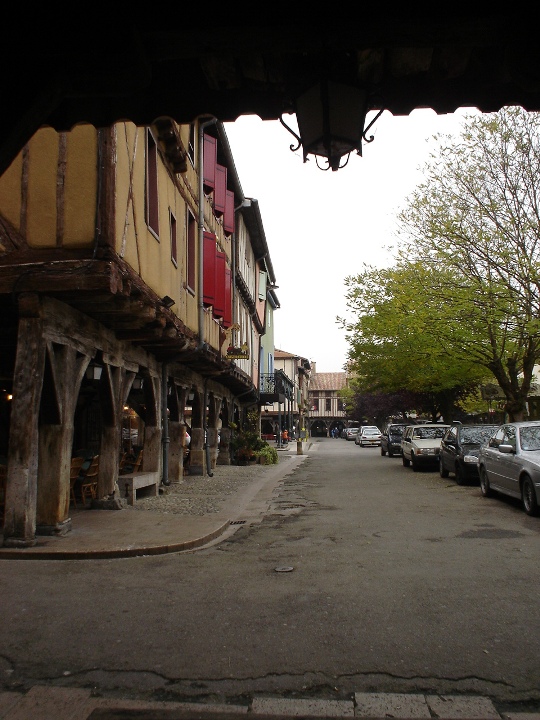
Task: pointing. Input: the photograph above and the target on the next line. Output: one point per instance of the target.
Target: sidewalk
(185, 516)
(45, 703)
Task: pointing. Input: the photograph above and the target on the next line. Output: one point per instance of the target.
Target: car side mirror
(508, 449)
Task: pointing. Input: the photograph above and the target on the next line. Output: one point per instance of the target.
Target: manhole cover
(284, 568)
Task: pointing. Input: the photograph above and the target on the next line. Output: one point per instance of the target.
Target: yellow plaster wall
(10, 193)
(138, 246)
(41, 193)
(80, 188)
(41, 203)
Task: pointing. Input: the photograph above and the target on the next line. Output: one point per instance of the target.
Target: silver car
(510, 464)
(368, 435)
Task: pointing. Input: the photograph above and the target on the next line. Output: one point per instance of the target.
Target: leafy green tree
(393, 348)
(468, 258)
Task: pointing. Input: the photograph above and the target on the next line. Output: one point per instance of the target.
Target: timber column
(23, 451)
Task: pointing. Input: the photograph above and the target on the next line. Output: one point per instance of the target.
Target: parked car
(420, 444)
(391, 438)
(510, 464)
(350, 433)
(460, 446)
(368, 436)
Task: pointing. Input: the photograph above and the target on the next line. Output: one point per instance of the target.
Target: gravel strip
(202, 494)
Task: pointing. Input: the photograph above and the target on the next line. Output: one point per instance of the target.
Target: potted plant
(246, 441)
(267, 455)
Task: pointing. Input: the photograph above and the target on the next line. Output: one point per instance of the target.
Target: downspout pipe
(205, 428)
(200, 273)
(165, 439)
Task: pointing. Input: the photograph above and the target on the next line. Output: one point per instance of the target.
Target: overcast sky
(322, 226)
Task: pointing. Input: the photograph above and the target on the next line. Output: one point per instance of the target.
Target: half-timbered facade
(129, 291)
(326, 408)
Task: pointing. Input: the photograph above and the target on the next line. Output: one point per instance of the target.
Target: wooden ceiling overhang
(109, 66)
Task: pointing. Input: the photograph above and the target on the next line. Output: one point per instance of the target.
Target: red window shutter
(220, 190)
(209, 268)
(209, 163)
(227, 315)
(228, 217)
(219, 304)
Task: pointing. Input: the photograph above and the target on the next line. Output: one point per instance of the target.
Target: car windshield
(477, 435)
(429, 433)
(529, 437)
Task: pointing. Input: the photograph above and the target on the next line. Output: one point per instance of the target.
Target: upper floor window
(191, 143)
(262, 285)
(174, 251)
(152, 198)
(191, 233)
(328, 403)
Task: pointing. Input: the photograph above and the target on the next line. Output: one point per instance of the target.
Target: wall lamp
(167, 301)
(331, 119)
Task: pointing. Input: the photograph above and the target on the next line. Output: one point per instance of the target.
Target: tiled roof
(328, 381)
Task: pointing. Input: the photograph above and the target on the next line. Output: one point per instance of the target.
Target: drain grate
(237, 522)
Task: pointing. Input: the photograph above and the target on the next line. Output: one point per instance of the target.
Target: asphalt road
(364, 576)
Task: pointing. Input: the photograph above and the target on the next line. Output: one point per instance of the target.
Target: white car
(421, 444)
(368, 436)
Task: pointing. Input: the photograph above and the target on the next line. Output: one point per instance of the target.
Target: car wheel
(414, 463)
(390, 453)
(443, 472)
(484, 483)
(528, 496)
(460, 477)
(406, 462)
(383, 451)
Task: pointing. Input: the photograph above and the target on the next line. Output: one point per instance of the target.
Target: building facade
(134, 292)
(326, 408)
(285, 405)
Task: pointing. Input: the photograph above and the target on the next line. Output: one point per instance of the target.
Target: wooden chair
(138, 462)
(123, 462)
(76, 464)
(89, 481)
(131, 466)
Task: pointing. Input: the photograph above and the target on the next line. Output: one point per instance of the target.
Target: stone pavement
(184, 516)
(56, 703)
(198, 511)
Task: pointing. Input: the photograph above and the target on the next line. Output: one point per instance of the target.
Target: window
(220, 189)
(191, 143)
(152, 204)
(209, 163)
(328, 404)
(209, 268)
(191, 245)
(340, 405)
(315, 404)
(174, 252)
(228, 217)
(262, 285)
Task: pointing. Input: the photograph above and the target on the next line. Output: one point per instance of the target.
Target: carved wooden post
(65, 368)
(196, 454)
(20, 510)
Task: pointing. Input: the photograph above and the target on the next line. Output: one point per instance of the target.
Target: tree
(469, 247)
(393, 348)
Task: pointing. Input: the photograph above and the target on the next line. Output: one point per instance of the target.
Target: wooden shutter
(227, 315)
(209, 163)
(219, 303)
(220, 190)
(209, 268)
(228, 216)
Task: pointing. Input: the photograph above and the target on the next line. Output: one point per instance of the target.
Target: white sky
(322, 226)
